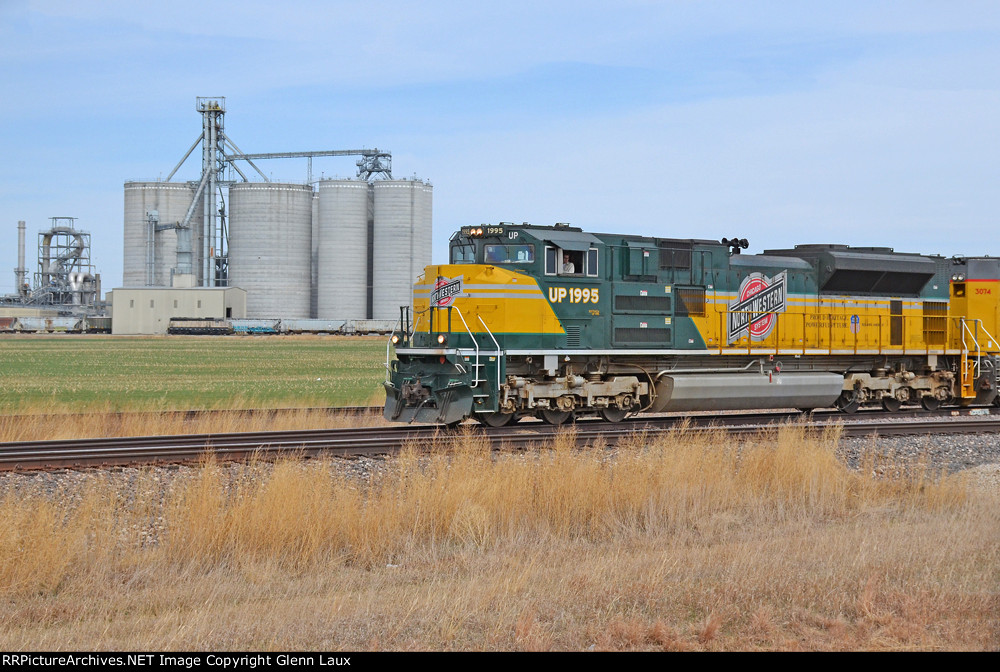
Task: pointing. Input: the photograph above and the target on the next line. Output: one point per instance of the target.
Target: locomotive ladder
(972, 366)
(478, 367)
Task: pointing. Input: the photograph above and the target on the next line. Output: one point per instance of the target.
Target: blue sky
(866, 123)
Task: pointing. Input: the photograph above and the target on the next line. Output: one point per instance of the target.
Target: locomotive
(556, 322)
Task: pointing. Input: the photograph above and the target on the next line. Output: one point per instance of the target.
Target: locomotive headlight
(961, 277)
(442, 339)
(395, 339)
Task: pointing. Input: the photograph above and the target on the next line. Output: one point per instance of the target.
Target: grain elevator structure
(328, 248)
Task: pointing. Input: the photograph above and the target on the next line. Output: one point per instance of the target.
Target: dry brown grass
(40, 425)
(676, 543)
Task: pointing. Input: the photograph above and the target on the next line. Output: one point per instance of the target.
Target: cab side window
(571, 263)
(550, 260)
(592, 262)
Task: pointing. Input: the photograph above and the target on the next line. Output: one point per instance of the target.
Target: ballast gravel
(976, 454)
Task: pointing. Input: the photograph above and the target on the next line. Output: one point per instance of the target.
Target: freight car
(556, 322)
(97, 325)
(52, 325)
(226, 326)
(199, 325)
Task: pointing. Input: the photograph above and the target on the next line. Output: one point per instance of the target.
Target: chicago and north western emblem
(758, 303)
(445, 290)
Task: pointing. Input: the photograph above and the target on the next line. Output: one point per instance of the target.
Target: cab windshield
(463, 254)
(509, 254)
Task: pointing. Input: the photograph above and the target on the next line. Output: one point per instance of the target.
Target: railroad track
(132, 451)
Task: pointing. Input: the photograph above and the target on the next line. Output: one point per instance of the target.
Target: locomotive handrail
(965, 346)
(499, 351)
(972, 335)
(830, 335)
(474, 341)
(388, 344)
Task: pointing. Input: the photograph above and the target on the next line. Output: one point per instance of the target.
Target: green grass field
(83, 373)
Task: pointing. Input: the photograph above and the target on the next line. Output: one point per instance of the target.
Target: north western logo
(755, 310)
(445, 290)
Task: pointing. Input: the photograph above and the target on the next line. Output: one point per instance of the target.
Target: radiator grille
(935, 322)
(638, 335)
(691, 301)
(654, 304)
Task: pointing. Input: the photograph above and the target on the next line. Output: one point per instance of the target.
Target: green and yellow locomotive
(552, 321)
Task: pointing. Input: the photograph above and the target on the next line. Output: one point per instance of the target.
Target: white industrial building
(147, 310)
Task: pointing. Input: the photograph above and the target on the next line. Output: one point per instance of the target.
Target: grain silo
(314, 257)
(349, 250)
(153, 212)
(401, 243)
(270, 244)
(342, 262)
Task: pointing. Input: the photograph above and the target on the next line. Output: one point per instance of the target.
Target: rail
(27, 456)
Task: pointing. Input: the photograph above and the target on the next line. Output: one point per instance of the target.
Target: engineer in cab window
(568, 266)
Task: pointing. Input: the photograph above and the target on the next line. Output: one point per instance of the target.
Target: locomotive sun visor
(844, 271)
(568, 240)
(982, 269)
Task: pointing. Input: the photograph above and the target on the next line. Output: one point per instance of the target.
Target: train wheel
(848, 402)
(613, 414)
(496, 419)
(930, 403)
(555, 417)
(891, 404)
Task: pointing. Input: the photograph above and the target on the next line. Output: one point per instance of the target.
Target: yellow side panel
(507, 302)
(811, 323)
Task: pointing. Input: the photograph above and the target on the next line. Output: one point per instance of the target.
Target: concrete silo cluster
(329, 248)
(373, 240)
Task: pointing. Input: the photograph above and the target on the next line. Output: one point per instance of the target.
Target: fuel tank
(745, 391)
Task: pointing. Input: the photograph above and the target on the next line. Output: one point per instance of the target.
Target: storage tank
(151, 256)
(314, 258)
(342, 260)
(402, 243)
(270, 241)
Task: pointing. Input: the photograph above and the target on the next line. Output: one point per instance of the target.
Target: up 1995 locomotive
(555, 322)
